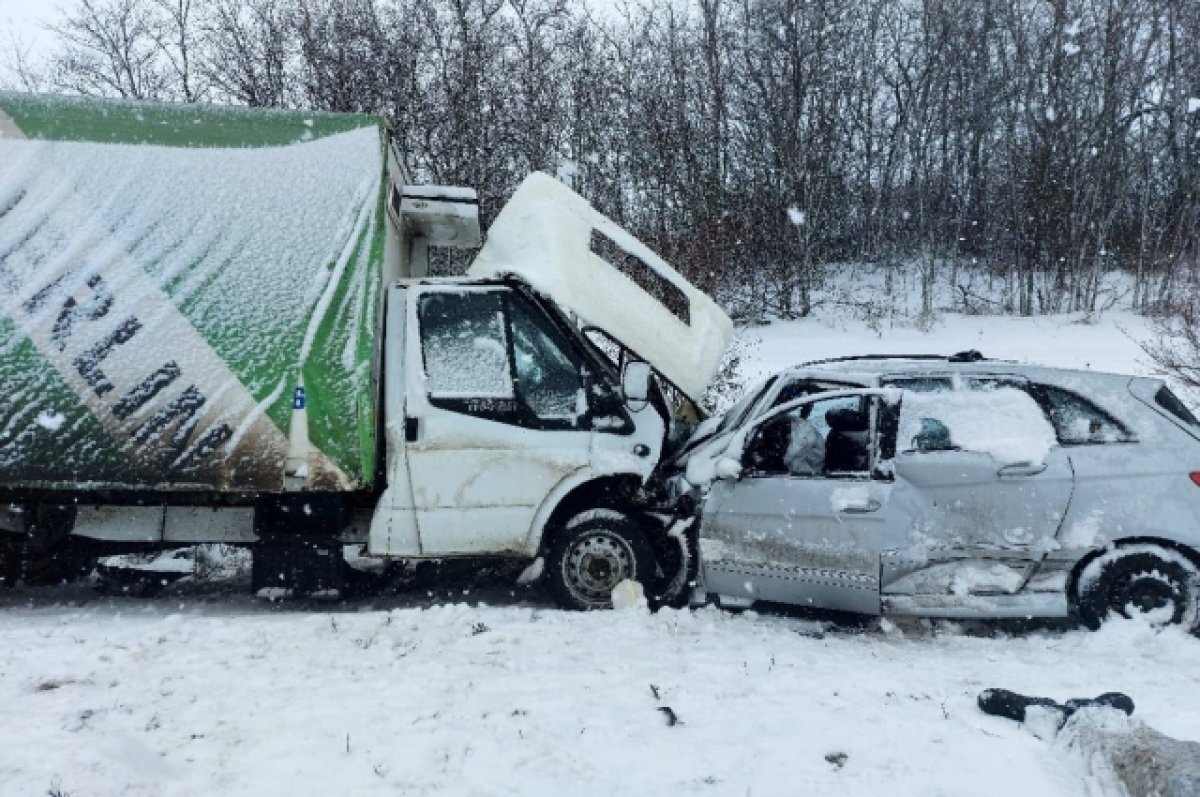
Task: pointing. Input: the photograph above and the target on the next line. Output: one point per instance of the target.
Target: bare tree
(248, 48)
(110, 48)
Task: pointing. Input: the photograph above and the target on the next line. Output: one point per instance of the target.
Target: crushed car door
(982, 486)
(806, 520)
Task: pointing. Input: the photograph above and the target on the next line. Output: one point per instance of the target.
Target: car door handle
(861, 509)
(1021, 469)
(412, 429)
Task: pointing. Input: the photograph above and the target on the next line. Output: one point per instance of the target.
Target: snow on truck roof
(551, 238)
(166, 273)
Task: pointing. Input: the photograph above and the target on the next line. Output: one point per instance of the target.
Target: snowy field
(482, 688)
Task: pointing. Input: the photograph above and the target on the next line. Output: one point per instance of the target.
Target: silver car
(952, 487)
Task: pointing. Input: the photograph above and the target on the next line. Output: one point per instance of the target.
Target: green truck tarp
(180, 287)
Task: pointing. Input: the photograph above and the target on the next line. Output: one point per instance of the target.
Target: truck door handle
(862, 509)
(1021, 469)
(412, 427)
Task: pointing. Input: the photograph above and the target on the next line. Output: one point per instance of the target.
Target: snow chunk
(629, 595)
(969, 579)
(845, 498)
(533, 572)
(50, 420)
(1084, 532)
(796, 216)
(1043, 721)
(1193, 105)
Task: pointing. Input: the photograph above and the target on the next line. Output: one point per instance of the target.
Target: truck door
(496, 416)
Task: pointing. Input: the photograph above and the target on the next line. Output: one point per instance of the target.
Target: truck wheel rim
(595, 564)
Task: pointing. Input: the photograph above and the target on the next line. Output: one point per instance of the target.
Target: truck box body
(186, 292)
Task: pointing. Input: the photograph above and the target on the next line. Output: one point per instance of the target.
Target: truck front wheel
(592, 553)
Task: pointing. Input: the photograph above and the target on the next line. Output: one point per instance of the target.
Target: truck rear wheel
(592, 553)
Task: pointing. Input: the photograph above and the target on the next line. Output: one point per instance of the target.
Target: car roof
(869, 368)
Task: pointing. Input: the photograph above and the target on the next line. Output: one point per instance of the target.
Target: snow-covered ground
(158, 698)
(483, 688)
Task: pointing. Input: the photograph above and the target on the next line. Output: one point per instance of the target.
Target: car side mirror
(635, 383)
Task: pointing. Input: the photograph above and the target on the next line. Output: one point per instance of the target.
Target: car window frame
(877, 396)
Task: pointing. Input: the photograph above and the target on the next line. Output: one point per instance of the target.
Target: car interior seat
(846, 443)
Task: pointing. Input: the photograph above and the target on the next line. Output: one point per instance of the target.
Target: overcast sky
(23, 19)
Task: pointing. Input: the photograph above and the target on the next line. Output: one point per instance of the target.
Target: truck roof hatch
(551, 238)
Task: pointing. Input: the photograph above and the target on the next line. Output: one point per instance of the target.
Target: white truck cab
(508, 429)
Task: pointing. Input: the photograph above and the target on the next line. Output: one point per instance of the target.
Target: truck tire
(592, 553)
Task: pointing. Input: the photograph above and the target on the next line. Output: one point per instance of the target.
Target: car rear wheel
(592, 553)
(1158, 585)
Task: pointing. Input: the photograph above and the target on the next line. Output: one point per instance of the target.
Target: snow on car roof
(871, 368)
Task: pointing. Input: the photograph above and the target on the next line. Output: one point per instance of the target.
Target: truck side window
(465, 346)
(548, 379)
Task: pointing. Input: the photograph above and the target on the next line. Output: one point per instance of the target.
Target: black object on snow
(1012, 705)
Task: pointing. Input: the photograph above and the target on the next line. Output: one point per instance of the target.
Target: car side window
(1078, 421)
(824, 439)
(1005, 422)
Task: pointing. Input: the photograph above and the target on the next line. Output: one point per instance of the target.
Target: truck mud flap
(298, 567)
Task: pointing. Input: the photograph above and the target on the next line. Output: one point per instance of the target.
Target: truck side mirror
(635, 383)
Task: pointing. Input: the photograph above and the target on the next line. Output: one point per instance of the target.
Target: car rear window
(1171, 403)
(1077, 420)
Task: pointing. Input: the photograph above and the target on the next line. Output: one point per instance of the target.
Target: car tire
(592, 553)
(1158, 584)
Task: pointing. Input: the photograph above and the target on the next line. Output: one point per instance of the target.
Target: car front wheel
(592, 553)
(1159, 585)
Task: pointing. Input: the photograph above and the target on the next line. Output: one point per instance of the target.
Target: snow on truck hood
(551, 238)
